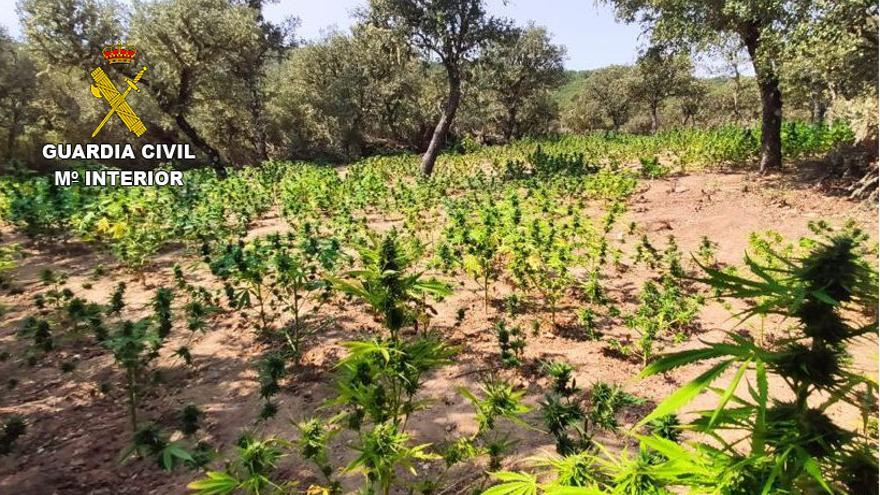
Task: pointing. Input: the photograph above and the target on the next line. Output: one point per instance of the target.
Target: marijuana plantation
(422, 257)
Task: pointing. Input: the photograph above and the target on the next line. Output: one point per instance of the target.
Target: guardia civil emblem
(104, 88)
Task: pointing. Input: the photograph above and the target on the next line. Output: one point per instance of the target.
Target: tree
(69, 32)
(605, 98)
(187, 69)
(206, 61)
(733, 57)
(760, 24)
(692, 99)
(839, 45)
(453, 31)
(349, 94)
(834, 56)
(660, 75)
(250, 66)
(521, 71)
(18, 89)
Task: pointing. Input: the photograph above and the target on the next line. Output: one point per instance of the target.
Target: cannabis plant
(381, 452)
(511, 343)
(379, 379)
(162, 311)
(247, 264)
(315, 435)
(189, 419)
(298, 280)
(150, 441)
(606, 401)
(117, 300)
(386, 283)
(271, 368)
(250, 472)
(134, 345)
(792, 443)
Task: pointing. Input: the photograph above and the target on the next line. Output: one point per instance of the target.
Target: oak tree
(452, 32)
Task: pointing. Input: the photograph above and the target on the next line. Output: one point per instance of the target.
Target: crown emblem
(119, 54)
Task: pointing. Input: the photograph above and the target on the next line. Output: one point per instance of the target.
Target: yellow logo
(103, 87)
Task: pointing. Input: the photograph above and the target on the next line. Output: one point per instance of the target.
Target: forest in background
(243, 89)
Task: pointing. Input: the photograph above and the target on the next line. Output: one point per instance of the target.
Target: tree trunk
(175, 106)
(771, 103)
(193, 135)
(654, 120)
(771, 125)
(256, 109)
(736, 92)
(444, 124)
(818, 109)
(510, 125)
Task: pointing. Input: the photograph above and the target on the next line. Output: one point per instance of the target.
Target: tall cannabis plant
(794, 445)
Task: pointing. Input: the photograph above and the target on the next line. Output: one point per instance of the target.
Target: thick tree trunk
(510, 125)
(256, 109)
(771, 125)
(176, 106)
(442, 129)
(818, 110)
(771, 103)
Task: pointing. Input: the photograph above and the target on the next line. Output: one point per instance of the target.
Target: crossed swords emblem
(104, 88)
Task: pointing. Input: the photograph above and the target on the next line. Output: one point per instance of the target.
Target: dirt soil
(76, 432)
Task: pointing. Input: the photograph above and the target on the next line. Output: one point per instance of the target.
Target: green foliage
(604, 100)
(660, 75)
(454, 31)
(270, 369)
(278, 273)
(13, 428)
(667, 427)
(662, 309)
(189, 419)
(135, 223)
(652, 169)
(379, 379)
(796, 436)
(149, 441)
(250, 472)
(564, 418)
(500, 400)
(706, 251)
(134, 345)
(605, 403)
(162, 311)
(313, 446)
(394, 295)
(520, 74)
(9, 253)
(586, 318)
(383, 450)
(512, 344)
(117, 301)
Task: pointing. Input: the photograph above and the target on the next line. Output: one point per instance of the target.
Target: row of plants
(135, 223)
(63, 326)
(750, 442)
(755, 441)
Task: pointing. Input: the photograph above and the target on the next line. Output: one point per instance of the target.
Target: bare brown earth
(76, 433)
